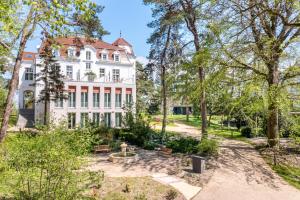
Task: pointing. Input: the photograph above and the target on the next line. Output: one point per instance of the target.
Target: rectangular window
(59, 102)
(107, 119)
(84, 97)
(72, 97)
(88, 55)
(118, 98)
(96, 119)
(116, 75)
(107, 98)
(104, 57)
(96, 100)
(70, 72)
(117, 57)
(128, 99)
(71, 120)
(84, 119)
(118, 119)
(28, 74)
(87, 66)
(102, 72)
(70, 53)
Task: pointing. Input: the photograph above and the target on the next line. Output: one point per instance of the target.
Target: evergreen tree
(50, 76)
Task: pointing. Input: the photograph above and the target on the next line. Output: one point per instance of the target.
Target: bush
(247, 132)
(208, 147)
(183, 145)
(43, 166)
(148, 145)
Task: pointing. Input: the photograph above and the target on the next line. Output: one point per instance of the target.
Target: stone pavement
(181, 185)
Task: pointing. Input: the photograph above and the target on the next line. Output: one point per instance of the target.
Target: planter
(198, 164)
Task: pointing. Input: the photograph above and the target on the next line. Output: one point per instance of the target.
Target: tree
(50, 76)
(257, 39)
(22, 19)
(145, 87)
(164, 47)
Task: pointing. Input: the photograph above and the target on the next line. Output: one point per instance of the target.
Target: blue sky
(129, 16)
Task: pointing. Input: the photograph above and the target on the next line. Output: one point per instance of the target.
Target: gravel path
(243, 174)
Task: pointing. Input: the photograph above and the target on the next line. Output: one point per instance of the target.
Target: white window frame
(101, 74)
(84, 99)
(118, 98)
(88, 66)
(107, 100)
(116, 75)
(28, 74)
(71, 52)
(104, 56)
(72, 100)
(69, 71)
(118, 120)
(88, 55)
(116, 55)
(96, 100)
(59, 102)
(71, 120)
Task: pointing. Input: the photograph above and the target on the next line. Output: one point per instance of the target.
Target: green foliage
(247, 132)
(171, 195)
(208, 147)
(288, 173)
(183, 145)
(140, 197)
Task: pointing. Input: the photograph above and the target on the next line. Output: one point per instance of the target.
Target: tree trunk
(13, 84)
(46, 113)
(191, 23)
(187, 110)
(163, 82)
(209, 118)
(272, 124)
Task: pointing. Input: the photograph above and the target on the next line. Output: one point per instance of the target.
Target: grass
(289, 174)
(127, 188)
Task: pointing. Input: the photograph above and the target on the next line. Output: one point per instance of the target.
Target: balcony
(93, 79)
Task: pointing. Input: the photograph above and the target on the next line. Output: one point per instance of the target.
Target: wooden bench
(165, 151)
(102, 149)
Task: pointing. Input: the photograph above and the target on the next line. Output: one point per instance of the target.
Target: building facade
(99, 80)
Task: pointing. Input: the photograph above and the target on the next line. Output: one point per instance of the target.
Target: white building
(99, 80)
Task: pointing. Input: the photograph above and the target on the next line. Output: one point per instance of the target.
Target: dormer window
(71, 53)
(104, 56)
(55, 53)
(116, 57)
(88, 55)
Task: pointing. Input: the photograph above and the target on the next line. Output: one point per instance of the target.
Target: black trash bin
(198, 164)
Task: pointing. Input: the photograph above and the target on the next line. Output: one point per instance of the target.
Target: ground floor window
(84, 118)
(96, 119)
(107, 119)
(71, 120)
(118, 119)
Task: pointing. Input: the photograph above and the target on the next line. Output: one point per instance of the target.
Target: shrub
(44, 167)
(247, 132)
(171, 195)
(208, 147)
(183, 145)
(148, 145)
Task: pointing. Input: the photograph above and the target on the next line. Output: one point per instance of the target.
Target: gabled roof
(121, 42)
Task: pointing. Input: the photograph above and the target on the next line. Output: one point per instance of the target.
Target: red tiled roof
(28, 55)
(122, 42)
(80, 42)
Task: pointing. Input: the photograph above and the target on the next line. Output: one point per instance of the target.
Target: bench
(102, 149)
(165, 151)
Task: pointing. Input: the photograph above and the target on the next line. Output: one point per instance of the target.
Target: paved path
(243, 174)
(182, 129)
(150, 164)
(182, 186)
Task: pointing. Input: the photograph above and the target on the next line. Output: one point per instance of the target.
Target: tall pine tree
(50, 77)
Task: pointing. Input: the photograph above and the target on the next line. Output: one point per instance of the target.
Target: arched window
(28, 99)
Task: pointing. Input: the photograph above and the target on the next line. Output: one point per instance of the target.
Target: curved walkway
(243, 174)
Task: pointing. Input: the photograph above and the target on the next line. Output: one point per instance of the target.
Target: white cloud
(143, 60)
